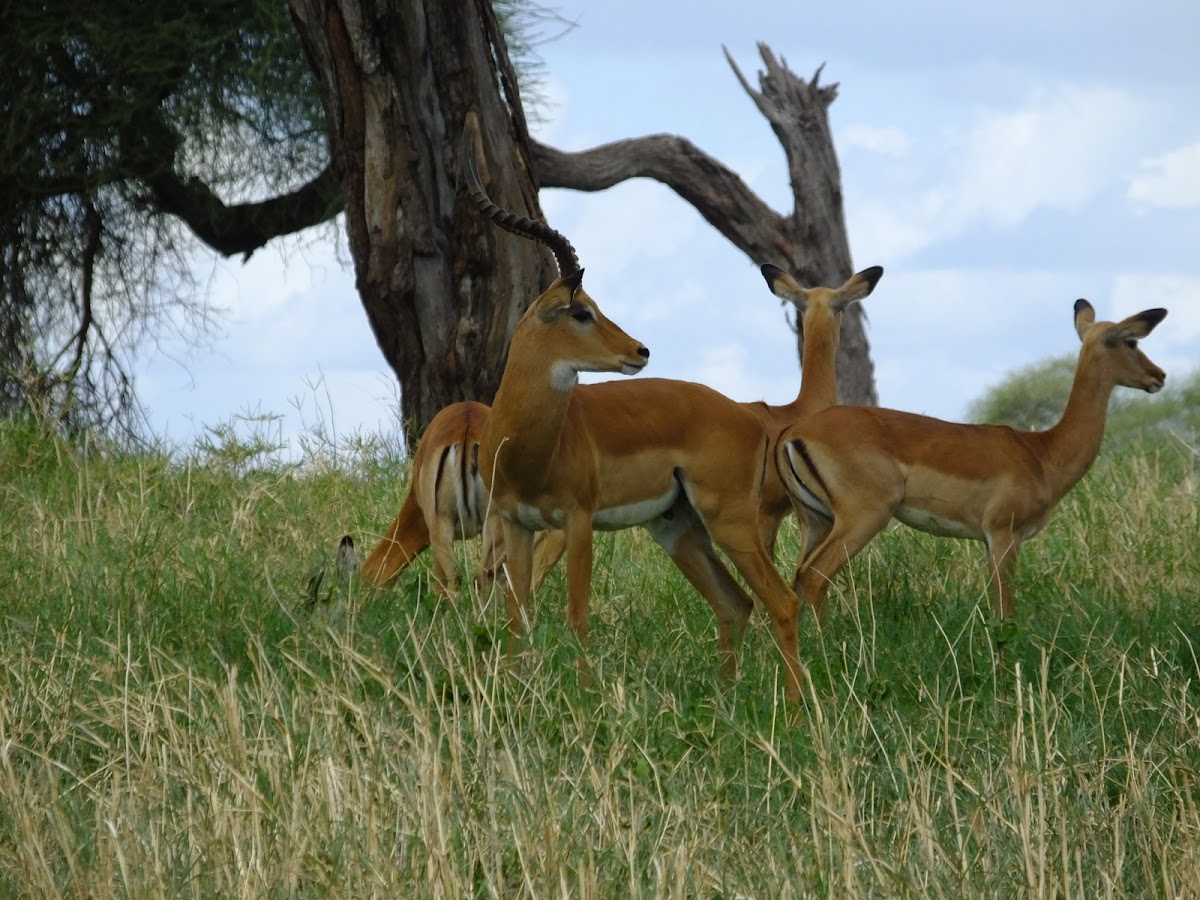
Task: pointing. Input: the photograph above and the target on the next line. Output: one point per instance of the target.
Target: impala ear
(558, 296)
(1085, 315)
(783, 285)
(1136, 326)
(858, 286)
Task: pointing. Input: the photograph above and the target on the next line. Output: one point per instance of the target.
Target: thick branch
(717, 193)
(811, 242)
(245, 227)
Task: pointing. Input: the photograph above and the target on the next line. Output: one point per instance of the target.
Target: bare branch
(716, 192)
(245, 227)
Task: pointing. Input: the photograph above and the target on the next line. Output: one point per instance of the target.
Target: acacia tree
(127, 133)
(441, 288)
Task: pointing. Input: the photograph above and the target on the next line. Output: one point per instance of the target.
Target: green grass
(177, 720)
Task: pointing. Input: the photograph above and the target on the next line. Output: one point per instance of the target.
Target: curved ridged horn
(564, 253)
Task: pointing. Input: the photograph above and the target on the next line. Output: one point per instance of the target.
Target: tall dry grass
(176, 719)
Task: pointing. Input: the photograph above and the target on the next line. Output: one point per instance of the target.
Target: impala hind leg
(841, 543)
(445, 563)
(782, 605)
(548, 548)
(736, 531)
(682, 535)
(491, 556)
(815, 529)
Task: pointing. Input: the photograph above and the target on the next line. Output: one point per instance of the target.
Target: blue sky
(998, 160)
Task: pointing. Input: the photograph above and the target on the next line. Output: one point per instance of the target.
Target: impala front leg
(1003, 548)
(518, 545)
(579, 580)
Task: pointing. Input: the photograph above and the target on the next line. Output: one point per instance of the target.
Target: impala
(555, 455)
(820, 310)
(851, 469)
(445, 503)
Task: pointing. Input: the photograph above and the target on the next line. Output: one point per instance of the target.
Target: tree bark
(811, 242)
(442, 287)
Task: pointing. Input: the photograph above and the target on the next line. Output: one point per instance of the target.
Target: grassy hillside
(176, 721)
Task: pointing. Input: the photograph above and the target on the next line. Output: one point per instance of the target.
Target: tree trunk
(442, 287)
(811, 242)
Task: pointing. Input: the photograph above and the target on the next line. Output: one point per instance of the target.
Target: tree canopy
(120, 123)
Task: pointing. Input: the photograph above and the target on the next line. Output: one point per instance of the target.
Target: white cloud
(1171, 180)
(885, 141)
(637, 219)
(727, 368)
(1058, 151)
(941, 337)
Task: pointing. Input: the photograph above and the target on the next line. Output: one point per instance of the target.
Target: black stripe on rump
(441, 470)
(800, 448)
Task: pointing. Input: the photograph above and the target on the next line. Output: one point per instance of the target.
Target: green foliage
(1034, 397)
(102, 108)
(128, 131)
(176, 717)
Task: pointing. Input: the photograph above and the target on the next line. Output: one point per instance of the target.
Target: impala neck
(818, 374)
(1074, 442)
(528, 413)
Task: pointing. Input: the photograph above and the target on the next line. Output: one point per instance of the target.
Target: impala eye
(583, 316)
(1131, 344)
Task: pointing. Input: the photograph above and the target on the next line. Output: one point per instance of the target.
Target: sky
(998, 160)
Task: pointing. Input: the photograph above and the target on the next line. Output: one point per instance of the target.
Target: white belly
(531, 517)
(617, 517)
(931, 523)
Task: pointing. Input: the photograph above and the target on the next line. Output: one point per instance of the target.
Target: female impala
(851, 469)
(820, 310)
(445, 503)
(613, 455)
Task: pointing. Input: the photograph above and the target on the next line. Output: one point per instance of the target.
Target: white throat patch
(563, 376)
